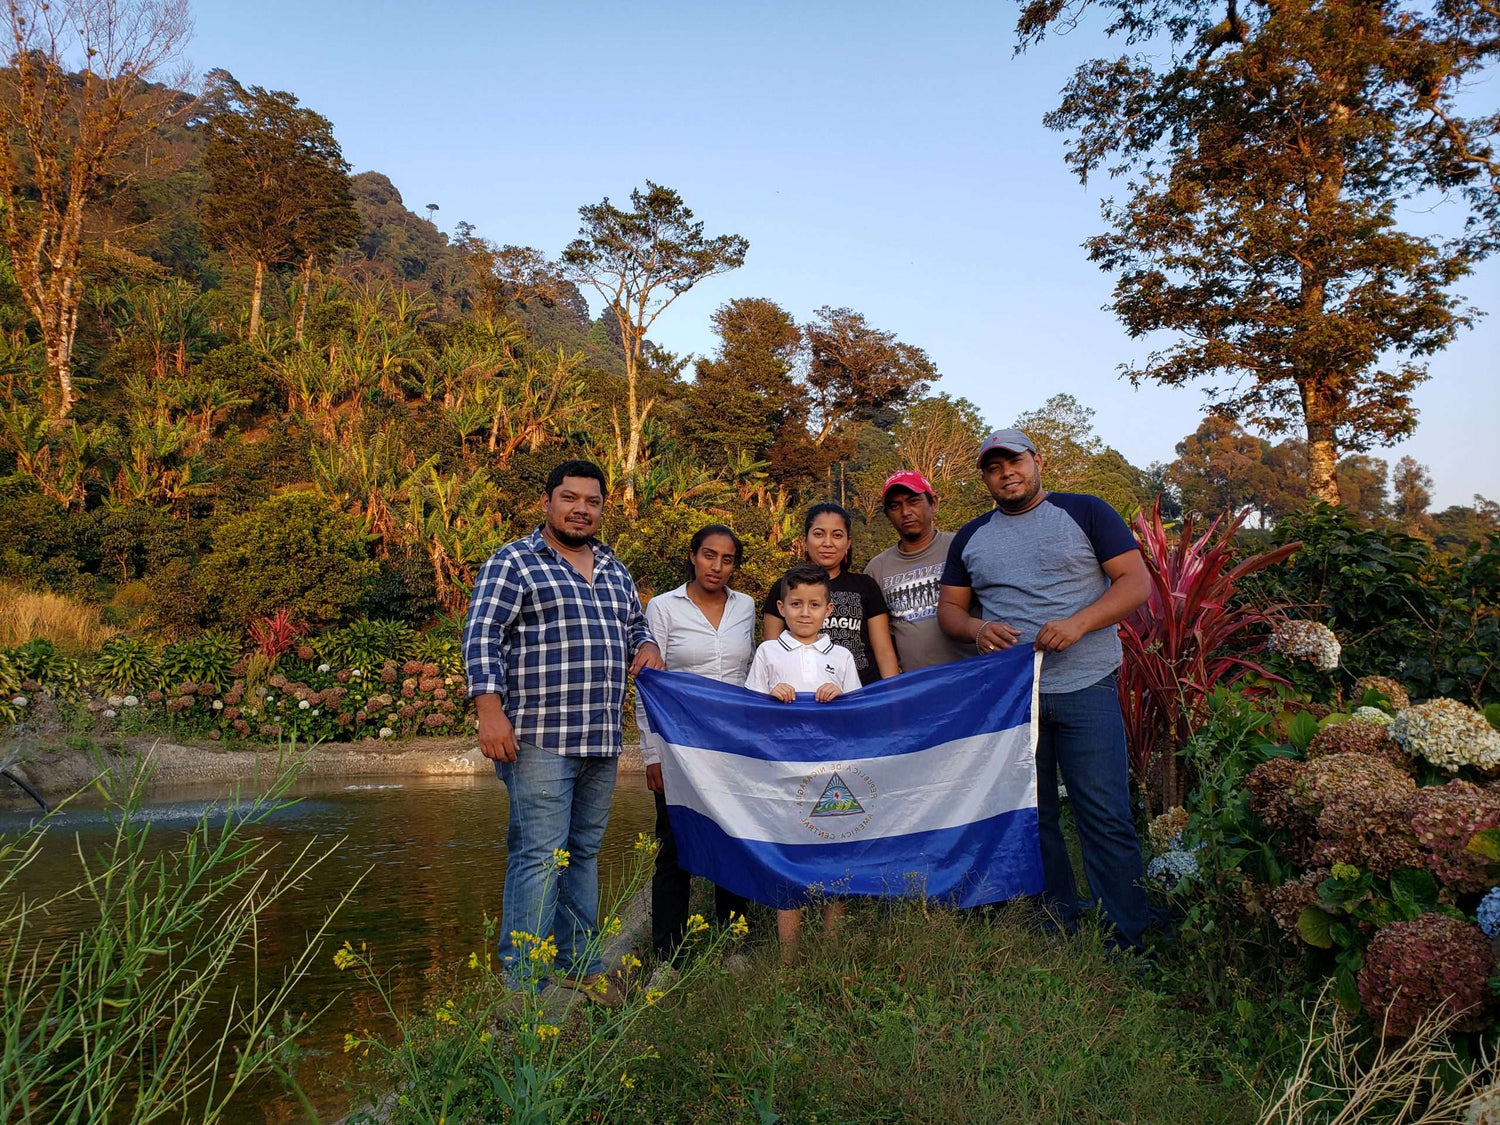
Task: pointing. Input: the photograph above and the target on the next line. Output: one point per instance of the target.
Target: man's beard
(1026, 501)
(568, 538)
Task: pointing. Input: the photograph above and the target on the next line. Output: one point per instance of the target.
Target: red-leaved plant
(1186, 640)
(275, 635)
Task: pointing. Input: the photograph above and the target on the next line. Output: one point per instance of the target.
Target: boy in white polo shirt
(802, 659)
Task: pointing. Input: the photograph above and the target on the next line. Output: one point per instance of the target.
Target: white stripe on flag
(944, 786)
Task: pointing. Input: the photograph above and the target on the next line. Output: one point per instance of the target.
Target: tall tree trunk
(260, 281)
(633, 422)
(303, 296)
(1322, 450)
(60, 362)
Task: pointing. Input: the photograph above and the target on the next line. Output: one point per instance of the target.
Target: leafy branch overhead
(1268, 151)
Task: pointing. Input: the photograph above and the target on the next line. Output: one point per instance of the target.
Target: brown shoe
(596, 987)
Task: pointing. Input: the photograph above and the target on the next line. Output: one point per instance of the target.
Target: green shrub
(128, 663)
(36, 540)
(365, 644)
(60, 676)
(205, 659)
(10, 685)
(1399, 607)
(402, 589)
(288, 552)
(441, 647)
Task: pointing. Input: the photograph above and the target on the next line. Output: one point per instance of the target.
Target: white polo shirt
(807, 667)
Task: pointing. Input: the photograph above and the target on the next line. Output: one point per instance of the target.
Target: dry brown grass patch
(71, 625)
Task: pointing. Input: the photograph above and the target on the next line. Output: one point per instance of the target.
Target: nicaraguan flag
(921, 785)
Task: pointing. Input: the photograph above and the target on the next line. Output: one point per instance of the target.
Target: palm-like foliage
(170, 318)
(1189, 637)
(454, 517)
(531, 408)
(370, 479)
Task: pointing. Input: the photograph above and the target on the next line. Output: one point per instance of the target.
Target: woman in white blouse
(708, 629)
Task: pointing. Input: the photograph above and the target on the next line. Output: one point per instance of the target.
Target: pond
(432, 855)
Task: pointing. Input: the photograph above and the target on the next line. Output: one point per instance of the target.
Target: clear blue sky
(885, 157)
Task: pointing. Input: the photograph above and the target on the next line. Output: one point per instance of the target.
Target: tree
(278, 186)
(1413, 492)
(855, 368)
(1271, 151)
(1219, 468)
(67, 132)
(1362, 486)
(640, 261)
(1075, 458)
(741, 397)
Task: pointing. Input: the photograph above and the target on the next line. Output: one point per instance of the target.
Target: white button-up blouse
(689, 643)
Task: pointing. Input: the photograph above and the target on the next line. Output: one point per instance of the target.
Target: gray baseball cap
(1009, 441)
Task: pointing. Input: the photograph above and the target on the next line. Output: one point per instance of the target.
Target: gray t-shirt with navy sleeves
(1044, 565)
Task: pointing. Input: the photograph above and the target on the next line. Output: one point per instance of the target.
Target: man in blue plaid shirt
(554, 628)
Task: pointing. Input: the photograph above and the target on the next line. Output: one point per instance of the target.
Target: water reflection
(432, 852)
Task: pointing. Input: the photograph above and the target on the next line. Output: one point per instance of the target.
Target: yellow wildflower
(344, 957)
(544, 952)
(546, 1031)
(739, 927)
(696, 924)
(648, 845)
(653, 995)
(521, 937)
(473, 960)
(350, 1042)
(612, 927)
(445, 1013)
(629, 961)
(485, 1037)
(560, 857)
(627, 1081)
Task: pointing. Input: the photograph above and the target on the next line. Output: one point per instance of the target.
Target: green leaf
(1413, 891)
(1316, 927)
(1492, 713)
(1346, 991)
(1244, 1009)
(1301, 730)
(1486, 843)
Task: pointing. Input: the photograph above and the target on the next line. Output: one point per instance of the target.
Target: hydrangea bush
(1373, 849)
(1311, 641)
(1447, 734)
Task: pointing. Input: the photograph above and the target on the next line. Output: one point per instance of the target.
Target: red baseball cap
(906, 478)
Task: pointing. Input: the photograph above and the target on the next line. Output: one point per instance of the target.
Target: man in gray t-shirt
(910, 571)
(1060, 571)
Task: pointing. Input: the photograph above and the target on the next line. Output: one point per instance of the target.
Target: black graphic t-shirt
(856, 599)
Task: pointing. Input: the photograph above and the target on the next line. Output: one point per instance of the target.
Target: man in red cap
(909, 573)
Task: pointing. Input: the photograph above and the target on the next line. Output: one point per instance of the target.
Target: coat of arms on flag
(927, 780)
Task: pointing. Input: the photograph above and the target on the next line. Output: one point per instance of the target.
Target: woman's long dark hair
(824, 509)
(702, 534)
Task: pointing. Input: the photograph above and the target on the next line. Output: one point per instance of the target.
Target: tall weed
(129, 1020)
(73, 626)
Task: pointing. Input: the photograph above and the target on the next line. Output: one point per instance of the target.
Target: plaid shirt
(553, 647)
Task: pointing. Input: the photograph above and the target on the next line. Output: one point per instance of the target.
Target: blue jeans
(555, 802)
(1083, 736)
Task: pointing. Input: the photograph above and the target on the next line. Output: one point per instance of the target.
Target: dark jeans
(1083, 736)
(670, 887)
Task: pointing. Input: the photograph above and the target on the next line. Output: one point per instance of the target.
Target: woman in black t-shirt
(860, 620)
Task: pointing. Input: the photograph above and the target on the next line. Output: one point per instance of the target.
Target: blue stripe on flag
(927, 707)
(973, 864)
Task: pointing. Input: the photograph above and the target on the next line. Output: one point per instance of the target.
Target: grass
(71, 625)
(918, 1015)
(132, 1019)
